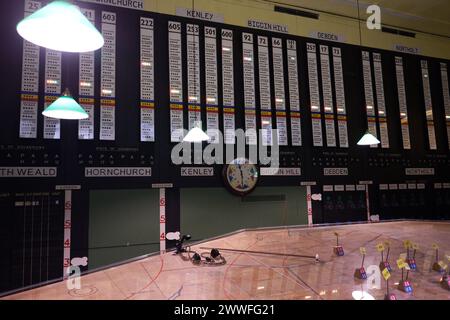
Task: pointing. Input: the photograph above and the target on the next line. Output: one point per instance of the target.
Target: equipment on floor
(404, 285)
(315, 257)
(338, 249)
(384, 264)
(360, 273)
(438, 266)
(386, 275)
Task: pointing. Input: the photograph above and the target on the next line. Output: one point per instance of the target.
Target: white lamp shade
(61, 26)
(368, 139)
(196, 135)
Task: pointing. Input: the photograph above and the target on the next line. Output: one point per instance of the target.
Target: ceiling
(427, 16)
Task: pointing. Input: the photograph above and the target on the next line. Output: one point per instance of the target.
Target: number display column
(280, 104)
(147, 104)
(176, 82)
(212, 109)
(249, 89)
(86, 87)
(445, 92)
(428, 105)
(108, 78)
(330, 130)
(381, 105)
(52, 127)
(264, 90)
(30, 82)
(340, 97)
(228, 86)
(193, 63)
(294, 100)
(316, 117)
(401, 89)
(368, 94)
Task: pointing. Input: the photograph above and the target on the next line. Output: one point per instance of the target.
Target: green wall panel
(210, 212)
(122, 224)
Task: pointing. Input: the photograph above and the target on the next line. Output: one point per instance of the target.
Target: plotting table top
(256, 276)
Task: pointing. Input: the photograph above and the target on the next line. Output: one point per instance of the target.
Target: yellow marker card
(415, 246)
(387, 243)
(407, 244)
(380, 247)
(442, 264)
(362, 250)
(386, 274)
(435, 246)
(400, 263)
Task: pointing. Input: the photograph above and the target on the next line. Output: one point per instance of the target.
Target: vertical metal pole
(309, 205)
(67, 230)
(162, 220)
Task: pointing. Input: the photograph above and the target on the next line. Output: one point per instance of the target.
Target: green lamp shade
(61, 26)
(65, 107)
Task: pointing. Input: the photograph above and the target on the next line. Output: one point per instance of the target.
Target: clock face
(241, 176)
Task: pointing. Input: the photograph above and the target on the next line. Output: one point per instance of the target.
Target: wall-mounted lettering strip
(401, 89)
(379, 86)
(249, 88)
(428, 105)
(264, 90)
(108, 78)
(340, 97)
(280, 104)
(212, 110)
(368, 94)
(294, 100)
(147, 105)
(176, 82)
(30, 82)
(330, 130)
(314, 95)
(228, 86)
(445, 92)
(52, 127)
(193, 62)
(86, 67)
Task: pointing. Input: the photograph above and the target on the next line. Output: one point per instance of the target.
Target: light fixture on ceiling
(368, 139)
(65, 107)
(61, 26)
(196, 134)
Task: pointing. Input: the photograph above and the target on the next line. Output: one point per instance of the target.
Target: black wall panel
(71, 155)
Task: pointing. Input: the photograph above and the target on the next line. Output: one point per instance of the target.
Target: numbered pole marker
(360, 273)
(338, 249)
(386, 275)
(384, 264)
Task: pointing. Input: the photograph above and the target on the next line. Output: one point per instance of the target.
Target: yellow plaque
(380, 247)
(407, 244)
(400, 263)
(362, 250)
(386, 274)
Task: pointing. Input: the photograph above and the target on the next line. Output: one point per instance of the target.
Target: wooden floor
(256, 276)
